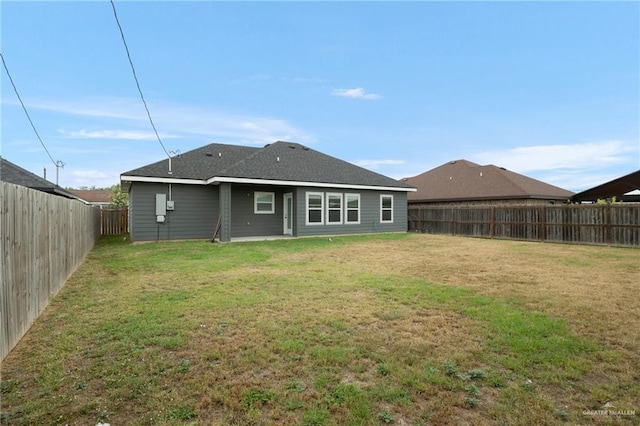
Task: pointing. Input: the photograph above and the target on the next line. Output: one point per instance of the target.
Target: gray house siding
(225, 210)
(197, 208)
(369, 213)
(245, 222)
(194, 216)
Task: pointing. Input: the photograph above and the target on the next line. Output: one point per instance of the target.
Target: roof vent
(208, 154)
(292, 146)
(219, 154)
(453, 162)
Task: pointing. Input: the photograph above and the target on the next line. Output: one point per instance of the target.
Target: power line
(55, 163)
(135, 77)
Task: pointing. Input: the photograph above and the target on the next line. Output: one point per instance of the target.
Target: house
(94, 197)
(625, 188)
(282, 189)
(461, 182)
(12, 173)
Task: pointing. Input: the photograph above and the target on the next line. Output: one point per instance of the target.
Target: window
(334, 208)
(264, 202)
(315, 208)
(352, 206)
(386, 208)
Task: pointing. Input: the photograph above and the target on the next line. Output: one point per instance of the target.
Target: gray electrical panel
(161, 204)
(161, 207)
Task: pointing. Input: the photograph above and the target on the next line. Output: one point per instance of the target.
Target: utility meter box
(170, 205)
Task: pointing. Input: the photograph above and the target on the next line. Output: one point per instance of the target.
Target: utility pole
(59, 164)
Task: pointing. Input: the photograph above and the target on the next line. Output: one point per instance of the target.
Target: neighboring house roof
(15, 174)
(284, 163)
(614, 188)
(462, 180)
(93, 196)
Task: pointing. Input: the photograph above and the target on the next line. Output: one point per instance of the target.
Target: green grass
(285, 332)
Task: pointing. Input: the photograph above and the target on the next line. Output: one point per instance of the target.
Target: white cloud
(174, 121)
(575, 167)
(357, 93)
(76, 178)
(119, 108)
(553, 157)
(115, 134)
(374, 164)
(89, 174)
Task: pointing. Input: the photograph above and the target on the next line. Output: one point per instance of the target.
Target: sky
(547, 89)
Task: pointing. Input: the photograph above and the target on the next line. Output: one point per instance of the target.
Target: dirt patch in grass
(591, 287)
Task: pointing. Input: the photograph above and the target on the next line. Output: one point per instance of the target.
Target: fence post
(543, 223)
(453, 221)
(607, 223)
(492, 224)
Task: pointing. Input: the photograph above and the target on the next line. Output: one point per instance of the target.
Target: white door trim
(287, 214)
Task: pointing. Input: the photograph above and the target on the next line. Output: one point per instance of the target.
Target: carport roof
(614, 188)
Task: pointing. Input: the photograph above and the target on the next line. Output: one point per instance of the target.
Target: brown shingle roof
(93, 195)
(463, 180)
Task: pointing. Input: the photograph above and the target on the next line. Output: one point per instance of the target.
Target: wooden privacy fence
(43, 238)
(114, 221)
(611, 224)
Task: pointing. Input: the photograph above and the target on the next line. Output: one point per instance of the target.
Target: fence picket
(114, 221)
(43, 239)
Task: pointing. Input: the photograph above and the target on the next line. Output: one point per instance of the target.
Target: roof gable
(280, 161)
(463, 180)
(288, 161)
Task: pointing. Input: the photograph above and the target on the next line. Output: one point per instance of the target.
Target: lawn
(399, 329)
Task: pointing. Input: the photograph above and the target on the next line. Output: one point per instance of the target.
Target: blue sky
(547, 89)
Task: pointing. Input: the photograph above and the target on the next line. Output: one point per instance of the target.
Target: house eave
(216, 180)
(490, 198)
(150, 179)
(252, 181)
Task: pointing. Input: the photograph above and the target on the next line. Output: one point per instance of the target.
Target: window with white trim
(264, 202)
(386, 208)
(315, 208)
(334, 208)
(352, 208)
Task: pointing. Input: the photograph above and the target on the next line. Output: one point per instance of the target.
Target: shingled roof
(279, 162)
(462, 180)
(95, 196)
(15, 174)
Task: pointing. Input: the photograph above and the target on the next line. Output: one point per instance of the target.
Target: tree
(117, 198)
